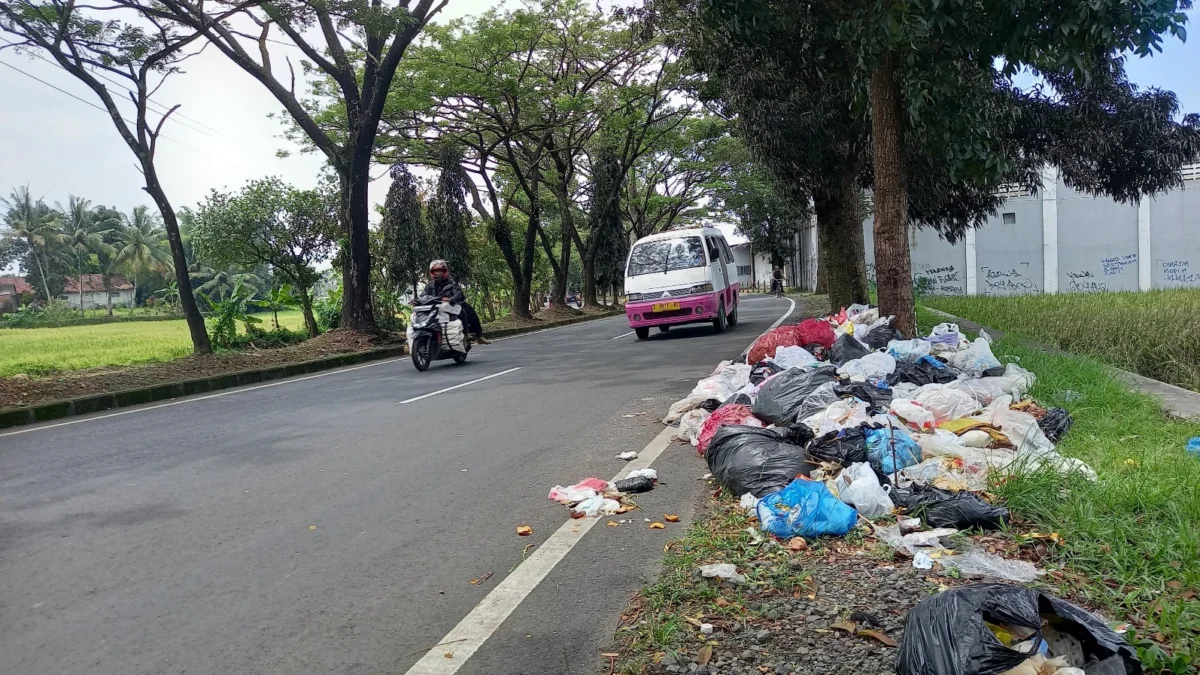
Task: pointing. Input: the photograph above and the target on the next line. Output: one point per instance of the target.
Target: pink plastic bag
(726, 414)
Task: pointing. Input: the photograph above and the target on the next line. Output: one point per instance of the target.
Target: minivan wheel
(642, 333)
(719, 323)
(733, 315)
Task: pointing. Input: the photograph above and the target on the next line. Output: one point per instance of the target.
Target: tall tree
(272, 224)
(82, 236)
(607, 241)
(449, 218)
(36, 224)
(142, 245)
(357, 46)
(405, 237)
(90, 41)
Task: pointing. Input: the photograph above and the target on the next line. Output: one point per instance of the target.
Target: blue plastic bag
(1193, 447)
(879, 449)
(805, 508)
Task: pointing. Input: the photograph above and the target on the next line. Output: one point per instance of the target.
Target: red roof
(95, 283)
(22, 287)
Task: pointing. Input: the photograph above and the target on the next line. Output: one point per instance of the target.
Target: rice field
(43, 351)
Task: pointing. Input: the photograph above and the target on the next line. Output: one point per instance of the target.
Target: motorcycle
(435, 333)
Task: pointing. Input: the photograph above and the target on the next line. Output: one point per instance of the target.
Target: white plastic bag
(594, 506)
(689, 425)
(904, 389)
(908, 350)
(873, 366)
(681, 406)
(944, 329)
(723, 383)
(989, 565)
(859, 487)
(454, 334)
(912, 413)
(975, 359)
(842, 414)
(945, 403)
(794, 357)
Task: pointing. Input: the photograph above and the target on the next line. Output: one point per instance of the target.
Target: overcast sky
(59, 146)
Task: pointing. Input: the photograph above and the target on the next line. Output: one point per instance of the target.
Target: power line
(87, 102)
(161, 108)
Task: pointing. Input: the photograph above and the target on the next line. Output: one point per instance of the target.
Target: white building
(119, 291)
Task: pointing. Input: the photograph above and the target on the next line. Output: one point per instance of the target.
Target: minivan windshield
(665, 255)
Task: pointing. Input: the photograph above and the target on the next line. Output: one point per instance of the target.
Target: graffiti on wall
(1178, 272)
(943, 279)
(1002, 281)
(1116, 264)
(1085, 282)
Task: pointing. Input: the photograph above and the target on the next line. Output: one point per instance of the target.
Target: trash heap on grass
(838, 419)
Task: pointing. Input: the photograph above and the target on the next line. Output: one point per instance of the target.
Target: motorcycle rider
(442, 285)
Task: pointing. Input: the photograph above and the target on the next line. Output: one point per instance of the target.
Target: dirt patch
(25, 391)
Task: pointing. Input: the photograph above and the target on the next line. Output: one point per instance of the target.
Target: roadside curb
(54, 410)
(1176, 401)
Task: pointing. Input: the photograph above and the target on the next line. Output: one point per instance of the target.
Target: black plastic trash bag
(993, 372)
(798, 434)
(1055, 423)
(942, 508)
(738, 399)
(846, 446)
(754, 460)
(635, 484)
(878, 399)
(781, 398)
(847, 348)
(881, 336)
(763, 370)
(710, 404)
(922, 372)
(945, 634)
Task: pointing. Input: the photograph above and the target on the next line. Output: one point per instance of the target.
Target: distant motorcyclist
(442, 285)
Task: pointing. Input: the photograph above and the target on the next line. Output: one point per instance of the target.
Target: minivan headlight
(633, 297)
(700, 288)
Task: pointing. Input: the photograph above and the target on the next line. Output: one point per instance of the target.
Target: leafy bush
(266, 339)
(329, 311)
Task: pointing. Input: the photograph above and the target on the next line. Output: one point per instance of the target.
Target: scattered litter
(640, 473)
(690, 425)
(657, 526)
(952, 633)
(1055, 423)
(1068, 395)
(859, 487)
(524, 530)
(797, 544)
(805, 508)
(671, 518)
(628, 455)
(595, 506)
(707, 629)
(725, 571)
(922, 561)
(748, 503)
(1193, 447)
(990, 565)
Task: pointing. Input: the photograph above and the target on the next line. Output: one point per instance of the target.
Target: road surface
(320, 525)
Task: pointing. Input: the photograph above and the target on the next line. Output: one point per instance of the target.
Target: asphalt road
(318, 525)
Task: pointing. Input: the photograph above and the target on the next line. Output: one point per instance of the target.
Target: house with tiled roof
(11, 290)
(94, 294)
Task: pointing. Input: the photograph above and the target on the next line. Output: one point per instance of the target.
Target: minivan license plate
(665, 306)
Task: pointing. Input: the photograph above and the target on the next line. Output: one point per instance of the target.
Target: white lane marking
(476, 627)
(481, 622)
(623, 335)
(198, 398)
(791, 308)
(457, 386)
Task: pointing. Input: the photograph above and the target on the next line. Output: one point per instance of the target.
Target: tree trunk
(133, 302)
(843, 264)
(559, 298)
(589, 281)
(357, 313)
(79, 256)
(42, 272)
(306, 306)
(524, 288)
(893, 267)
(187, 300)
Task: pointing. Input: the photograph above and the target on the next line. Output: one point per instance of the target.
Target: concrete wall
(1063, 241)
(97, 299)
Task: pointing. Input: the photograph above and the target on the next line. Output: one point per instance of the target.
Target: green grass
(1156, 334)
(41, 351)
(1132, 538)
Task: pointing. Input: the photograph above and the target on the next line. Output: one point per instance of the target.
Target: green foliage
(226, 312)
(55, 313)
(607, 242)
(277, 298)
(329, 310)
(448, 215)
(405, 252)
(264, 339)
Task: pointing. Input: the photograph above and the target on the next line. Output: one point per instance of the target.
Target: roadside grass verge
(1132, 538)
(44, 351)
(663, 619)
(1155, 333)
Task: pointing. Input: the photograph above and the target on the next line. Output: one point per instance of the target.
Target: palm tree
(35, 224)
(142, 245)
(83, 234)
(220, 283)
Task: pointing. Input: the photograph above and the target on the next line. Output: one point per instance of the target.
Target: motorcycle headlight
(700, 288)
(633, 297)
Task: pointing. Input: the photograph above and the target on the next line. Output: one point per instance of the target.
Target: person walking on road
(442, 285)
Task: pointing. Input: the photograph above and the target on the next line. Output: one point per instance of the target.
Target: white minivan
(678, 277)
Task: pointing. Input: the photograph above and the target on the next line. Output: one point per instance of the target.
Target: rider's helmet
(439, 268)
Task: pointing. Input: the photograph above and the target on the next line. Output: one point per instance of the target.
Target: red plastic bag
(816, 331)
(723, 416)
(767, 343)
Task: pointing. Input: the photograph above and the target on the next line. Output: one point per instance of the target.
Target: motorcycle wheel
(422, 355)
(460, 358)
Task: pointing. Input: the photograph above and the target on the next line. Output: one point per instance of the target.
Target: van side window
(714, 253)
(728, 251)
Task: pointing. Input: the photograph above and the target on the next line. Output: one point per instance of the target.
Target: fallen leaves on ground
(797, 544)
(878, 636)
(671, 518)
(705, 655)
(657, 526)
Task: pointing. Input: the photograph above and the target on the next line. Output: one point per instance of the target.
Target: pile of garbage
(593, 497)
(840, 418)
